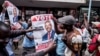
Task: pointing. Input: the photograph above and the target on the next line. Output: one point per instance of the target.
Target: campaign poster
(44, 36)
(2, 17)
(13, 12)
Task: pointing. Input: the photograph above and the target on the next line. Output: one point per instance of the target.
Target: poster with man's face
(13, 12)
(44, 36)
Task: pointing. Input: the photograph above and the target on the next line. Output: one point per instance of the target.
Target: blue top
(60, 44)
(25, 25)
(27, 42)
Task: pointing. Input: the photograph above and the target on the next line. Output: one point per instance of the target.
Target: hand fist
(85, 14)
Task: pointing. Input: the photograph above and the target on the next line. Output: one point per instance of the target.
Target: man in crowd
(60, 45)
(72, 37)
(4, 38)
(28, 42)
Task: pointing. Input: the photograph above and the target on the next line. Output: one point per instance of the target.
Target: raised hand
(65, 36)
(85, 14)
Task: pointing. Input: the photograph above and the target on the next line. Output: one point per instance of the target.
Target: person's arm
(55, 24)
(44, 52)
(65, 40)
(86, 20)
(67, 44)
(58, 26)
(15, 33)
(52, 45)
(4, 8)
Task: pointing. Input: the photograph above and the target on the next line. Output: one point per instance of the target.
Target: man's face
(68, 27)
(15, 12)
(60, 27)
(48, 26)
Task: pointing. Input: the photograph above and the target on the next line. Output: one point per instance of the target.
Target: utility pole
(89, 10)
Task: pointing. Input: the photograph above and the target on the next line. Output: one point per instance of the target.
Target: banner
(43, 37)
(13, 12)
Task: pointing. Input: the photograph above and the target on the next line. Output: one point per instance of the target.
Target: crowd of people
(70, 37)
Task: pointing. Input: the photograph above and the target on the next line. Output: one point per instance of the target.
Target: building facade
(58, 8)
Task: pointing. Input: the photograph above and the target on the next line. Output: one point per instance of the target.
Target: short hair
(47, 22)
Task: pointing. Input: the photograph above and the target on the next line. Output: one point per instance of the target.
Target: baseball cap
(67, 20)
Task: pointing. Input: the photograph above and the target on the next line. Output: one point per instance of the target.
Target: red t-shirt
(94, 45)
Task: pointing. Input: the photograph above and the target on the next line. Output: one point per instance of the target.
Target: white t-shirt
(85, 35)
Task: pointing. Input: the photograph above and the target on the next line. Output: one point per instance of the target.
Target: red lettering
(42, 17)
(33, 19)
(42, 46)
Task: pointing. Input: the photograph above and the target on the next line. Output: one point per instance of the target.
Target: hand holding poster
(13, 12)
(43, 37)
